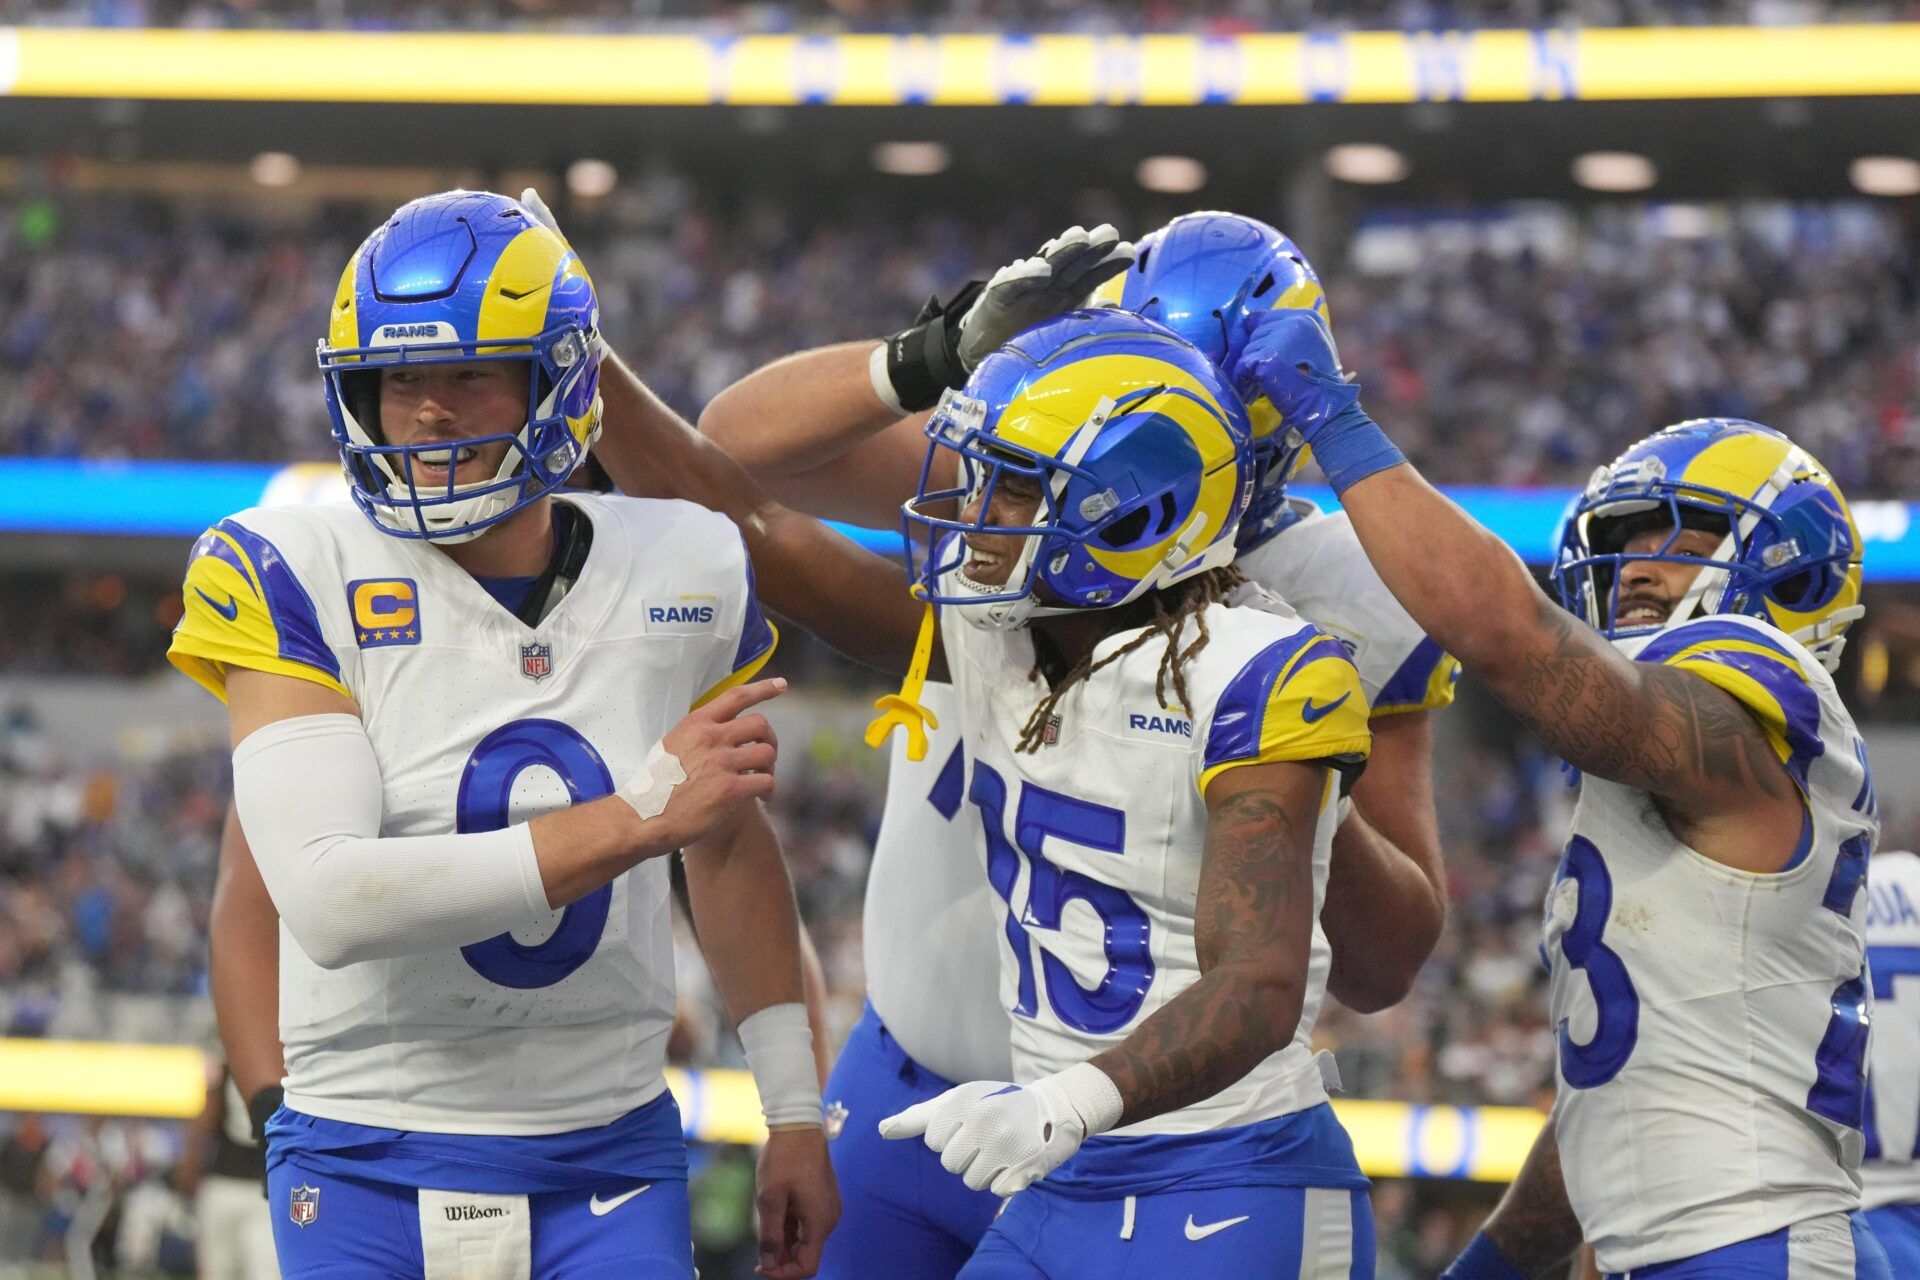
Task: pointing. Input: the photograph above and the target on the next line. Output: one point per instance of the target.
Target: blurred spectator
(1508, 346)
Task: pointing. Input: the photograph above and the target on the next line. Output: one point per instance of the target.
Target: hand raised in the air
(715, 760)
(1290, 358)
(1056, 280)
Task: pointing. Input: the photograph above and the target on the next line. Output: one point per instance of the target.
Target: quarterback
(824, 429)
(469, 719)
(1705, 928)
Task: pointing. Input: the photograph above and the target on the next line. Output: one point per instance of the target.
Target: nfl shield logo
(536, 660)
(303, 1205)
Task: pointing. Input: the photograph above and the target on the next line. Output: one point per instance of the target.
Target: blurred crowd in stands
(1519, 345)
(744, 17)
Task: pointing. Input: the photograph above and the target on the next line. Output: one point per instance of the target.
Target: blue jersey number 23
(486, 786)
(1616, 1004)
(1116, 999)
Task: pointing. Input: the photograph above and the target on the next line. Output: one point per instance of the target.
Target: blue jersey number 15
(1116, 999)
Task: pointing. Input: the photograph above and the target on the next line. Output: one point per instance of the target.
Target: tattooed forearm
(1657, 728)
(1253, 921)
(1534, 1224)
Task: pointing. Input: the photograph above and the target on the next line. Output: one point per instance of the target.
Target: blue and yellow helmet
(1789, 551)
(1141, 450)
(455, 278)
(1205, 276)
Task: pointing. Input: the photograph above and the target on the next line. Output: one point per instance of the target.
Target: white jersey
(1892, 1167)
(1316, 564)
(932, 971)
(1712, 1021)
(1094, 841)
(479, 721)
(930, 933)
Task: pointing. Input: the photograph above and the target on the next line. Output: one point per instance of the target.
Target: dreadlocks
(1172, 607)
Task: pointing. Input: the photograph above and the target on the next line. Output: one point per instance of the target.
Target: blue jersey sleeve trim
(1769, 664)
(1706, 630)
(1408, 687)
(756, 633)
(294, 617)
(1239, 715)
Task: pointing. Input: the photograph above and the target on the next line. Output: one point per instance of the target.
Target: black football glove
(949, 340)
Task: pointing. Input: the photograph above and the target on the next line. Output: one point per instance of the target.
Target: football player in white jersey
(824, 430)
(435, 700)
(1705, 929)
(1157, 938)
(1892, 1167)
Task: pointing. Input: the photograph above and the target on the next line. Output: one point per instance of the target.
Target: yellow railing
(1392, 1139)
(963, 70)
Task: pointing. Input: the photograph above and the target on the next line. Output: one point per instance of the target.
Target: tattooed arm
(1253, 925)
(1706, 761)
(1533, 1225)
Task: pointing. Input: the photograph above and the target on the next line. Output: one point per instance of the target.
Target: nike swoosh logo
(1201, 1233)
(601, 1208)
(230, 610)
(1313, 715)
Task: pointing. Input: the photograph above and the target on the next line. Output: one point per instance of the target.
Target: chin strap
(1824, 639)
(904, 709)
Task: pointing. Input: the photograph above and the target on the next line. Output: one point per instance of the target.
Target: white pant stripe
(1821, 1249)
(1326, 1234)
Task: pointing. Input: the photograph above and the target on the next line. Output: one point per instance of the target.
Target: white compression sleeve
(309, 794)
(779, 1048)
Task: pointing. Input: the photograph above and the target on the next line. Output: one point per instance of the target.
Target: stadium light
(1171, 175)
(1885, 176)
(911, 159)
(1367, 163)
(274, 169)
(1614, 171)
(591, 179)
(1683, 221)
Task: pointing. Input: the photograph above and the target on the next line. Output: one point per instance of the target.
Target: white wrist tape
(649, 789)
(1090, 1092)
(779, 1047)
(882, 381)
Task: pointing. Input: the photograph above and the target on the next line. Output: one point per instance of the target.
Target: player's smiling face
(990, 557)
(1650, 589)
(451, 403)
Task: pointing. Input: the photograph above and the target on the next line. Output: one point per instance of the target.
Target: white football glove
(1004, 1138)
(1058, 279)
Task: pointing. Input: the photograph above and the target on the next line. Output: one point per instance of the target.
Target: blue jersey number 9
(1115, 1000)
(1616, 1004)
(486, 786)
